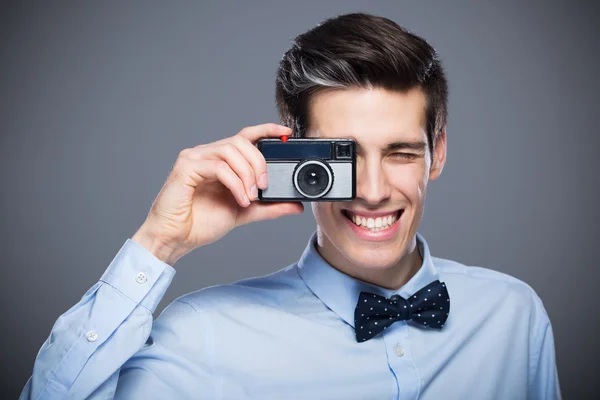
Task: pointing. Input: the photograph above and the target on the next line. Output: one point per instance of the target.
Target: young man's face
(391, 180)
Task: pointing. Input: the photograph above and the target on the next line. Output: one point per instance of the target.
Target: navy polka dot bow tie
(428, 307)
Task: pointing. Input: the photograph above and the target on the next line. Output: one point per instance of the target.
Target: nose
(372, 183)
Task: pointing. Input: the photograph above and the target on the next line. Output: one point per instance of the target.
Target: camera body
(309, 169)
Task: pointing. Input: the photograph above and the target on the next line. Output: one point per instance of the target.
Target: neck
(392, 277)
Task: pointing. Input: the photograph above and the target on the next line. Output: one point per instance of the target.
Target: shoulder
(200, 310)
(268, 290)
(477, 283)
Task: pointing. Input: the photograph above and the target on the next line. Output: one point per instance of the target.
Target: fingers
(253, 133)
(218, 170)
(240, 163)
(244, 158)
(255, 158)
(241, 158)
(265, 211)
(231, 154)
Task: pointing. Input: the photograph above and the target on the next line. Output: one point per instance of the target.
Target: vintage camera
(309, 169)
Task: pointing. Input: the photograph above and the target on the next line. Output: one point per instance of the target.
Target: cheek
(322, 211)
(409, 180)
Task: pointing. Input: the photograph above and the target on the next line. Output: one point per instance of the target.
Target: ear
(439, 156)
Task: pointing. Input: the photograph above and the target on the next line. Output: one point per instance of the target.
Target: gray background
(97, 99)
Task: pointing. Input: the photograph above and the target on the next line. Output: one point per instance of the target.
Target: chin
(365, 239)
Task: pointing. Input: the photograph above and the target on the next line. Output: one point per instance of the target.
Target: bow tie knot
(428, 307)
(403, 307)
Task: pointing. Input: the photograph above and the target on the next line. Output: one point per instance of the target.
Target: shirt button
(399, 351)
(92, 336)
(141, 278)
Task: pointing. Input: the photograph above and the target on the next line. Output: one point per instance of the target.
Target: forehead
(370, 116)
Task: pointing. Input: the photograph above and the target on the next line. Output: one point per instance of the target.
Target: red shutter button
(284, 138)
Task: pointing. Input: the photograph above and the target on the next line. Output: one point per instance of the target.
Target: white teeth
(374, 224)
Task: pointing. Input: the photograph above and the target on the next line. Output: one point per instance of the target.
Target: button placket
(399, 350)
(91, 336)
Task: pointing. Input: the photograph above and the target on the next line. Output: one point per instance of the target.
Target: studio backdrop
(98, 98)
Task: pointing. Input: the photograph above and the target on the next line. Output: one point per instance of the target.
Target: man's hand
(209, 192)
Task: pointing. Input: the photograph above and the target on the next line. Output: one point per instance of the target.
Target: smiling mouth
(373, 224)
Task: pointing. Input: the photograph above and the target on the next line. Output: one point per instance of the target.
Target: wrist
(158, 248)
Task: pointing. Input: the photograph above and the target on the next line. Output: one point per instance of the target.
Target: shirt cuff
(139, 275)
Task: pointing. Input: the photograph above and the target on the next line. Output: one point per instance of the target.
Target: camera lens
(313, 179)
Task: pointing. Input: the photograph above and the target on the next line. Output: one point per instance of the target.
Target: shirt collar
(340, 292)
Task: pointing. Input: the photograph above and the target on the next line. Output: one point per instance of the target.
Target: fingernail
(246, 200)
(254, 192)
(262, 180)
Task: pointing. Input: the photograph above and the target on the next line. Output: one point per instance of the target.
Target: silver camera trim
(299, 168)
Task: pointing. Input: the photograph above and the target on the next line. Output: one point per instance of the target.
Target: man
(366, 313)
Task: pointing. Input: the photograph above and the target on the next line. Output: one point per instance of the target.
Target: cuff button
(141, 278)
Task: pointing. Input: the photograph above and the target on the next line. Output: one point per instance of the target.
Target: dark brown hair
(359, 50)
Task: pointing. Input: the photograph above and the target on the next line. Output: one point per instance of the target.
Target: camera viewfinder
(343, 151)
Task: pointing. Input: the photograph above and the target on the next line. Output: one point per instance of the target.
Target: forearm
(111, 322)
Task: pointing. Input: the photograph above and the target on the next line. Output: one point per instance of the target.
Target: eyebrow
(413, 145)
(418, 145)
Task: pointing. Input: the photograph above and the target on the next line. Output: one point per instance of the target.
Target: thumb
(259, 211)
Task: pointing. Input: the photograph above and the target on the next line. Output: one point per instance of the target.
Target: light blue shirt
(290, 335)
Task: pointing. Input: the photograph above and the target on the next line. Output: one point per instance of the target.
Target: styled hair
(359, 50)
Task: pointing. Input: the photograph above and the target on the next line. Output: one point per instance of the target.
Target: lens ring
(324, 167)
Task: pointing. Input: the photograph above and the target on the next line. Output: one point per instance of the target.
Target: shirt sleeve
(90, 342)
(544, 382)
